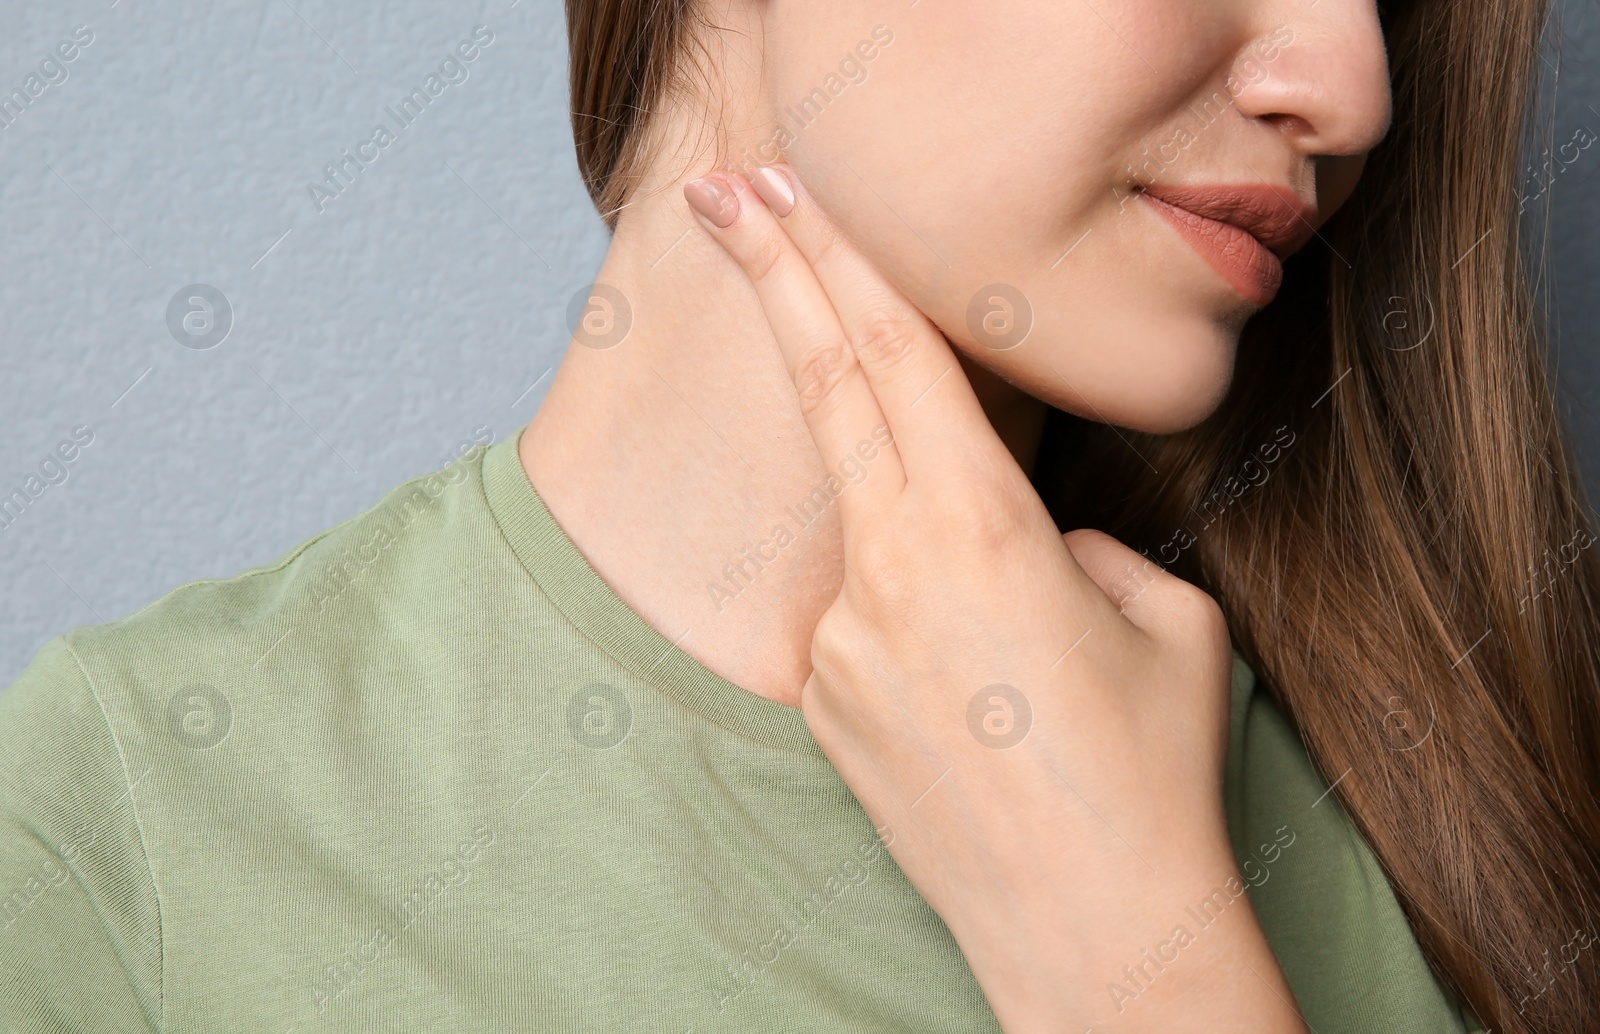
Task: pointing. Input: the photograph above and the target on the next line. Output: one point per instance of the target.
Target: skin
(760, 355)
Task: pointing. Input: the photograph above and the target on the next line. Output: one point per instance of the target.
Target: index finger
(836, 400)
(926, 398)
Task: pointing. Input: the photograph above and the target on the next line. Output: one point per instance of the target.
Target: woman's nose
(1327, 87)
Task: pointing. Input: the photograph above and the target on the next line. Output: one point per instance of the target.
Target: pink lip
(1243, 232)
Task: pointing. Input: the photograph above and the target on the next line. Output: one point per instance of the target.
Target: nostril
(1290, 123)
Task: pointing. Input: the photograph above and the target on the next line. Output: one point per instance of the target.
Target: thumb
(1121, 573)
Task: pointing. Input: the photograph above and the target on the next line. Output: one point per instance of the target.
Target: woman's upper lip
(1275, 216)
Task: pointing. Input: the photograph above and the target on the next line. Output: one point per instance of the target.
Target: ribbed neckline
(578, 591)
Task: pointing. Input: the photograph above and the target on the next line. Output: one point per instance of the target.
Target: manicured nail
(712, 198)
(774, 188)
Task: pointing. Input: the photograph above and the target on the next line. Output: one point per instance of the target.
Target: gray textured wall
(372, 330)
(1566, 215)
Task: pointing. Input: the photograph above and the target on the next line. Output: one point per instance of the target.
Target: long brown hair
(1387, 506)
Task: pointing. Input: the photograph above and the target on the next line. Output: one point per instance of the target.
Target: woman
(753, 686)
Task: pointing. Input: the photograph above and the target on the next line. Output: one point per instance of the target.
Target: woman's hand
(1041, 720)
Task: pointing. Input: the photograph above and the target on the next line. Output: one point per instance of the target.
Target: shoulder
(75, 882)
(106, 766)
(176, 673)
(1320, 893)
(327, 600)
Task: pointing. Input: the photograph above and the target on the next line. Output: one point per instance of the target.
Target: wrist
(1165, 951)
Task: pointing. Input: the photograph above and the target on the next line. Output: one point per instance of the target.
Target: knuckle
(765, 258)
(884, 564)
(834, 641)
(832, 245)
(886, 337)
(1195, 612)
(982, 514)
(846, 647)
(821, 373)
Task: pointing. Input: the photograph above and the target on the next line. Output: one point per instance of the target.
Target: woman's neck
(679, 464)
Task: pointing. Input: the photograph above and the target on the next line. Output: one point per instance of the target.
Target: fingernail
(774, 188)
(711, 198)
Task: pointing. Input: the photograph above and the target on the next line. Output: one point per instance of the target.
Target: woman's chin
(1143, 412)
(1171, 417)
(1164, 392)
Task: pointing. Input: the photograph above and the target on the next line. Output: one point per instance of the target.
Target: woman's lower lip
(1238, 257)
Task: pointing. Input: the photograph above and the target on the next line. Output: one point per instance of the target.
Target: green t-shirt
(428, 772)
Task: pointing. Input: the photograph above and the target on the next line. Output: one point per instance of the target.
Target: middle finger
(835, 397)
(930, 404)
